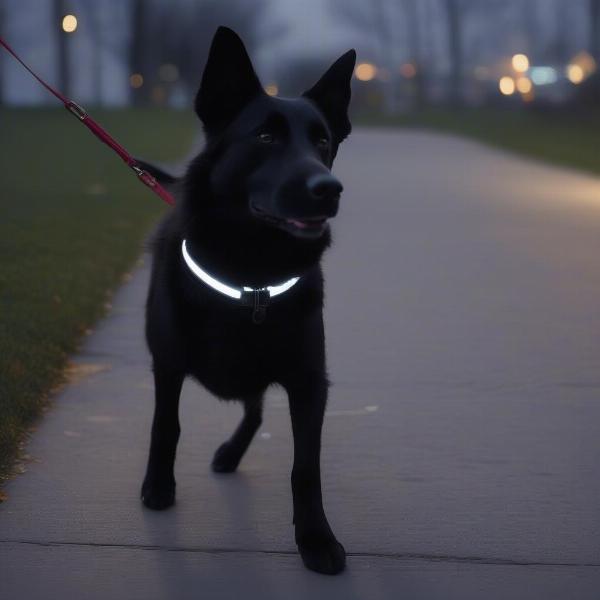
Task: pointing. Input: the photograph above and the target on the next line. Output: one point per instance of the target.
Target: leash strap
(82, 115)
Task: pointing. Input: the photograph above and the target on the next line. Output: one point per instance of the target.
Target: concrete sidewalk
(461, 446)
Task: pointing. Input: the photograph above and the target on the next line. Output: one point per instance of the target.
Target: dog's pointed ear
(331, 94)
(229, 81)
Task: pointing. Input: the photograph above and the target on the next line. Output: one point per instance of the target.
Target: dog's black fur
(253, 209)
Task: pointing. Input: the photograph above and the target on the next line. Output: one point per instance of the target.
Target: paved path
(461, 449)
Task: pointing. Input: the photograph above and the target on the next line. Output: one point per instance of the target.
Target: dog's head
(271, 157)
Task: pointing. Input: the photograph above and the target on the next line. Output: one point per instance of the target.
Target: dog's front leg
(317, 545)
(158, 489)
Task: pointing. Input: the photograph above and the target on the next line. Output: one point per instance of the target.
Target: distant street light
(580, 68)
(586, 61)
(365, 71)
(158, 95)
(520, 63)
(524, 85)
(575, 74)
(408, 70)
(69, 23)
(136, 81)
(507, 86)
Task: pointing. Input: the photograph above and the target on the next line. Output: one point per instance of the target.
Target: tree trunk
(137, 48)
(531, 27)
(386, 51)
(563, 34)
(2, 21)
(595, 30)
(414, 44)
(453, 17)
(64, 75)
(96, 22)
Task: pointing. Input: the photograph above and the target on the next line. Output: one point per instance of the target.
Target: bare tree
(595, 29)
(377, 19)
(2, 56)
(457, 13)
(95, 28)
(199, 23)
(59, 10)
(454, 16)
(363, 17)
(95, 17)
(531, 27)
(413, 37)
(137, 48)
(180, 33)
(394, 29)
(563, 31)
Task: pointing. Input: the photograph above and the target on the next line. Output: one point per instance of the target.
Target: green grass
(561, 138)
(72, 221)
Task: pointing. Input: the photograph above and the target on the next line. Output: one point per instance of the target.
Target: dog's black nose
(324, 187)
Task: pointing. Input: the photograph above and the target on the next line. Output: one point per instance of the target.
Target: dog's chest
(234, 357)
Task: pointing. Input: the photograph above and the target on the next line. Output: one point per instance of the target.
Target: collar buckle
(259, 300)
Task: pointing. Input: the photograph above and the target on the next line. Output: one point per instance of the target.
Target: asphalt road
(461, 447)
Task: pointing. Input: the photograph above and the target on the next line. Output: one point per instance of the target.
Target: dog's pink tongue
(298, 224)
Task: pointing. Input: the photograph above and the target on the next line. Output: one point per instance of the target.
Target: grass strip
(567, 138)
(73, 220)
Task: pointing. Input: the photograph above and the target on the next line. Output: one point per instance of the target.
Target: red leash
(100, 133)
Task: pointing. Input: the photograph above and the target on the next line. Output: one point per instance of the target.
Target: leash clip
(76, 110)
(148, 179)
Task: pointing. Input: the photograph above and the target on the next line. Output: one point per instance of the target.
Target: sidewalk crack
(433, 558)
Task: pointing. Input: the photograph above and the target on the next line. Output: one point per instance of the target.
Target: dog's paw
(158, 496)
(226, 459)
(325, 556)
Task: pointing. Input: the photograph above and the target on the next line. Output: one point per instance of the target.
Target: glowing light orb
(365, 71)
(507, 86)
(69, 23)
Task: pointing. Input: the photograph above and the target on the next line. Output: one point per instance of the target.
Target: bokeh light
(136, 80)
(575, 74)
(69, 23)
(507, 86)
(524, 85)
(520, 63)
(408, 70)
(365, 71)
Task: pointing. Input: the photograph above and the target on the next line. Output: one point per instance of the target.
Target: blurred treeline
(414, 52)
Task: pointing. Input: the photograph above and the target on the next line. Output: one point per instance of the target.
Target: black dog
(236, 294)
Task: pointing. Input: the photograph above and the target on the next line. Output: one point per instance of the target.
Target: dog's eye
(323, 142)
(266, 138)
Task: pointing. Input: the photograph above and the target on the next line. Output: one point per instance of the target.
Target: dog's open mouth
(313, 223)
(299, 226)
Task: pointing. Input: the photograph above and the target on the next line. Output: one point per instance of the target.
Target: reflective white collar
(219, 286)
